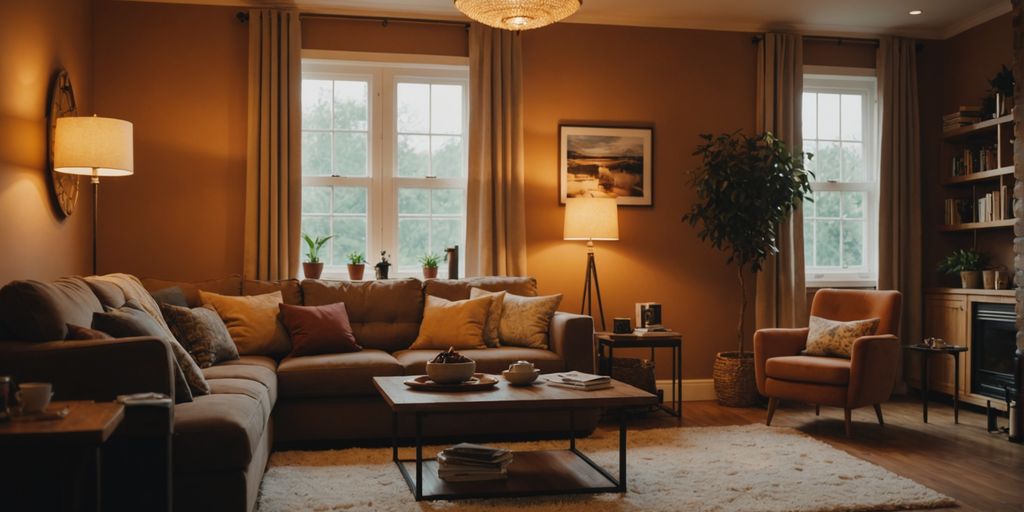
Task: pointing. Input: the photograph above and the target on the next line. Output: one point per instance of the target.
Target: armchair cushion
(818, 370)
(834, 338)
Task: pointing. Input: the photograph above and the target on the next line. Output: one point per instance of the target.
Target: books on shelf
(993, 206)
(975, 160)
(579, 380)
(964, 116)
(467, 462)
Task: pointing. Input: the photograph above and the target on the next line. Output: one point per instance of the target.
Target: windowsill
(843, 283)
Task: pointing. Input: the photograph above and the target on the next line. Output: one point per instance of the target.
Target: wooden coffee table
(532, 473)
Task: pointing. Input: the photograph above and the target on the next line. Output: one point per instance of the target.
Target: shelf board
(983, 126)
(974, 226)
(971, 291)
(978, 176)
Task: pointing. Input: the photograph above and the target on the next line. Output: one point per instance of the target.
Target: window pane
(810, 115)
(413, 155)
(350, 200)
(350, 105)
(446, 109)
(316, 199)
(413, 238)
(809, 243)
(853, 161)
(827, 204)
(853, 243)
(851, 108)
(314, 227)
(445, 233)
(827, 162)
(349, 154)
(809, 205)
(349, 236)
(413, 201)
(448, 201)
(827, 243)
(828, 116)
(316, 154)
(413, 108)
(316, 104)
(853, 205)
(446, 156)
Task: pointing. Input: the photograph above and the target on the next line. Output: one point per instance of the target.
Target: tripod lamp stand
(591, 218)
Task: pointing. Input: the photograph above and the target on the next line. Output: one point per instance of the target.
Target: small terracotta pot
(355, 272)
(429, 272)
(988, 279)
(970, 279)
(312, 270)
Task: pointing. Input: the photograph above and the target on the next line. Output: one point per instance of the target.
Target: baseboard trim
(693, 389)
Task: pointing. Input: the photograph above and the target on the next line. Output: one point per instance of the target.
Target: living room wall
(36, 39)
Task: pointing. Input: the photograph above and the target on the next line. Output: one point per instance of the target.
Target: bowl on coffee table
(450, 367)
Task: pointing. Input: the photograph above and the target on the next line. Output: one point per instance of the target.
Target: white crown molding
(978, 18)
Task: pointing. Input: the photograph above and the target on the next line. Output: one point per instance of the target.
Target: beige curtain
(273, 180)
(496, 213)
(781, 295)
(899, 209)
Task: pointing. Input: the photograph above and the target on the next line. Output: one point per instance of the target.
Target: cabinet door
(944, 317)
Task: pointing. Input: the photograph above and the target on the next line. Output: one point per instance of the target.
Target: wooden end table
(609, 342)
(926, 352)
(532, 473)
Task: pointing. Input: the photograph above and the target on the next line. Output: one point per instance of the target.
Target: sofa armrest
(93, 369)
(874, 361)
(572, 337)
(769, 343)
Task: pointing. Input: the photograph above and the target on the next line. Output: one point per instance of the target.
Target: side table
(609, 342)
(926, 352)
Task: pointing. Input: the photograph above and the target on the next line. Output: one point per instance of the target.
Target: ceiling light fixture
(916, 12)
(518, 15)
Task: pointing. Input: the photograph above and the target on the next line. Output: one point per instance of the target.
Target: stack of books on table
(964, 116)
(579, 380)
(466, 462)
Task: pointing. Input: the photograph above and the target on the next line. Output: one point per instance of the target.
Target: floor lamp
(591, 218)
(94, 147)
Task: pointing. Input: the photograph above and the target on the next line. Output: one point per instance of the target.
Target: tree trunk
(743, 309)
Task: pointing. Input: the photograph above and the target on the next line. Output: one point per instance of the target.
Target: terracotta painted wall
(179, 72)
(36, 39)
(374, 36)
(845, 54)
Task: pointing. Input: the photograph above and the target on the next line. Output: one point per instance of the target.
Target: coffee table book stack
(466, 462)
(579, 380)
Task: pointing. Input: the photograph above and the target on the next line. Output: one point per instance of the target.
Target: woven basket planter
(734, 379)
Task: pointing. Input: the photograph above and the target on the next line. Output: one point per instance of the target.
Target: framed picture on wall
(599, 161)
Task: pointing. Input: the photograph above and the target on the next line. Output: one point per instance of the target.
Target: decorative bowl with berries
(450, 367)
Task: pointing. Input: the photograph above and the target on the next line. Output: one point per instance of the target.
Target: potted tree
(966, 262)
(313, 267)
(430, 262)
(356, 265)
(747, 187)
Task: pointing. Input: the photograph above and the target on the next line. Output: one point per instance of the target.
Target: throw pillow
(525, 320)
(833, 338)
(493, 321)
(318, 329)
(77, 332)
(173, 295)
(130, 320)
(458, 324)
(202, 333)
(252, 321)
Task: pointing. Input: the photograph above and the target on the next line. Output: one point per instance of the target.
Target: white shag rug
(748, 468)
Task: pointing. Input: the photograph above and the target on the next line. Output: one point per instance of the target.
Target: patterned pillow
(524, 320)
(202, 333)
(493, 320)
(832, 338)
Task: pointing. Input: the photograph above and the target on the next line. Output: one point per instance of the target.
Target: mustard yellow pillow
(493, 321)
(252, 321)
(458, 324)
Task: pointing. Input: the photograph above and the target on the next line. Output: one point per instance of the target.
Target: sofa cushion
(458, 324)
(109, 294)
(834, 338)
(253, 321)
(318, 329)
(77, 332)
(38, 311)
(260, 369)
(335, 375)
(202, 333)
(813, 369)
(173, 296)
(226, 286)
(384, 314)
(219, 431)
(488, 360)
(291, 289)
(458, 289)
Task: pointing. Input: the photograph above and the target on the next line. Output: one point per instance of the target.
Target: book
(467, 462)
(592, 387)
(575, 377)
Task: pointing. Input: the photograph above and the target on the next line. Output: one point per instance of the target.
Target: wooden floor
(982, 471)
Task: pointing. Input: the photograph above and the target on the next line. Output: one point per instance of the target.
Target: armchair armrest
(769, 343)
(93, 369)
(572, 337)
(874, 361)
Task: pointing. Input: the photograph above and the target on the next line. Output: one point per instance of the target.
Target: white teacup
(521, 367)
(34, 396)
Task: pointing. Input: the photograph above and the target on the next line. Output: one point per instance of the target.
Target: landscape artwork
(606, 162)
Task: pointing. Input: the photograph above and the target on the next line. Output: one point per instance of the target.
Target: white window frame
(384, 72)
(861, 81)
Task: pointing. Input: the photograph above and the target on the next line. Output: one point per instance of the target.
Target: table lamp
(591, 218)
(94, 147)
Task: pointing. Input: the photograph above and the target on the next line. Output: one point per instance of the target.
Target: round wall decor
(62, 103)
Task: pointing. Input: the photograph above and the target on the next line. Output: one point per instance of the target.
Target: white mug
(34, 396)
(521, 367)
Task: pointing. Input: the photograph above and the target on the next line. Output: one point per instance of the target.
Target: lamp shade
(93, 146)
(591, 218)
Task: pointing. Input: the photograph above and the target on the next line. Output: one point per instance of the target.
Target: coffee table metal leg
(572, 429)
(419, 457)
(622, 452)
(924, 386)
(956, 387)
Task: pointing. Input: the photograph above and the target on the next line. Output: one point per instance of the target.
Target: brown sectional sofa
(221, 442)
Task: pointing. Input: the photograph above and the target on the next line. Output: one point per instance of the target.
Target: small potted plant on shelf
(430, 262)
(966, 262)
(356, 265)
(313, 267)
(1002, 89)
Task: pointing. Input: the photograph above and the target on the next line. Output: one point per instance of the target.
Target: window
(384, 160)
(841, 225)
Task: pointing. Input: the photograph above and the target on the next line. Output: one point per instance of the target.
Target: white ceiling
(941, 18)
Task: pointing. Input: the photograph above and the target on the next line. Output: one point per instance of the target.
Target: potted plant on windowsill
(430, 262)
(356, 266)
(966, 262)
(747, 187)
(313, 267)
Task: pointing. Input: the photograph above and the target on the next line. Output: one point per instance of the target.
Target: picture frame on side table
(606, 161)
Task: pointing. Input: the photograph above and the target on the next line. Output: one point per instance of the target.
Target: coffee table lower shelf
(531, 473)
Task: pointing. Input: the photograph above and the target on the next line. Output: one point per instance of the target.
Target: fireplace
(993, 343)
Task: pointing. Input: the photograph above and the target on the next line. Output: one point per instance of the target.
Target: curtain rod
(384, 20)
(834, 39)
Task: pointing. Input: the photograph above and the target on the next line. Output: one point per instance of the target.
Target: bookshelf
(978, 176)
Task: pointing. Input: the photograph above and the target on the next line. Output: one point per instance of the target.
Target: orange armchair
(867, 378)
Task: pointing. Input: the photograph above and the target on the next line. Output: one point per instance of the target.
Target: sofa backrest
(384, 315)
(291, 291)
(458, 289)
(38, 311)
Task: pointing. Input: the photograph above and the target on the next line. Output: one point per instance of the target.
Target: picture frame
(606, 161)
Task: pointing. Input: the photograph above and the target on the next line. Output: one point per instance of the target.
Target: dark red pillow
(318, 329)
(77, 332)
